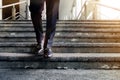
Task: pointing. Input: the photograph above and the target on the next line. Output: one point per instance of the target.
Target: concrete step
(79, 36)
(64, 25)
(78, 23)
(59, 29)
(60, 61)
(58, 44)
(62, 35)
(66, 21)
(60, 39)
(63, 47)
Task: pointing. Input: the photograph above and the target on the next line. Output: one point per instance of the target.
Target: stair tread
(65, 21)
(63, 29)
(63, 35)
(65, 25)
(78, 31)
(61, 44)
(61, 57)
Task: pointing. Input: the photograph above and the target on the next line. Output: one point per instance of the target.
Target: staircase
(77, 44)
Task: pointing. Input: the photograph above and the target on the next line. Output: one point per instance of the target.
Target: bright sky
(110, 13)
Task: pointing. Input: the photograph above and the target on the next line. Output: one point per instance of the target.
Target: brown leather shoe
(48, 53)
(35, 49)
(41, 52)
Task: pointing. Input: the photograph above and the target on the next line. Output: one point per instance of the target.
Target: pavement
(56, 74)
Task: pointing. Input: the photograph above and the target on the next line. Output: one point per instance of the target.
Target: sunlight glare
(108, 13)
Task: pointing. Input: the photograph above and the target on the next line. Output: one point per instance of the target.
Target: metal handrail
(12, 4)
(82, 9)
(107, 6)
(14, 9)
(10, 17)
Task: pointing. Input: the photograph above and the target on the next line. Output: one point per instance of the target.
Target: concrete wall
(23, 9)
(65, 11)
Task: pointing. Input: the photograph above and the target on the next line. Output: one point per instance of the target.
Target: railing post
(85, 10)
(13, 12)
(27, 10)
(95, 11)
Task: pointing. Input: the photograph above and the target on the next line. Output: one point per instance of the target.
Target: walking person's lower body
(36, 8)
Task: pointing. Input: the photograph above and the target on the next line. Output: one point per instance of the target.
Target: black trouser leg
(37, 27)
(52, 14)
(36, 11)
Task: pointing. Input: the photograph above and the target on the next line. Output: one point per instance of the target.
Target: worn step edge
(61, 30)
(63, 35)
(75, 57)
(60, 61)
(60, 40)
(61, 25)
(61, 44)
(64, 21)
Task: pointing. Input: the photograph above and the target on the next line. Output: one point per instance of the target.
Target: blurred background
(69, 10)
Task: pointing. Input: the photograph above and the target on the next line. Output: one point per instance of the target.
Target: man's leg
(52, 14)
(36, 11)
